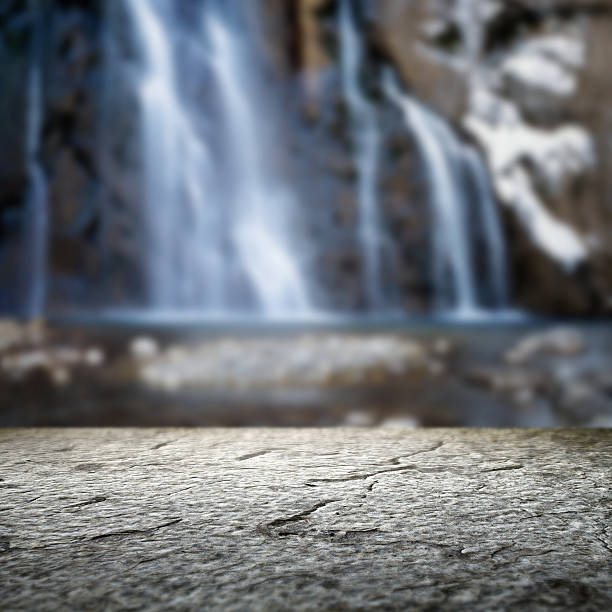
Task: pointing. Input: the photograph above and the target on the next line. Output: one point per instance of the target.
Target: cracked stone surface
(305, 519)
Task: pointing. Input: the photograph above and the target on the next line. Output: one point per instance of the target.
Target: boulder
(557, 342)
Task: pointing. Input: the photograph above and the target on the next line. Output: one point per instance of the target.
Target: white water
(36, 203)
(211, 248)
(262, 206)
(366, 142)
(448, 162)
(179, 249)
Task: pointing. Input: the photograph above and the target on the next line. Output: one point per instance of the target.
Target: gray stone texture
(311, 519)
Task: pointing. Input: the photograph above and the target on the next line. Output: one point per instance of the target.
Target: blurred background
(305, 212)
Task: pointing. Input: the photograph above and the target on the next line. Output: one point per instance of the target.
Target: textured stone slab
(305, 519)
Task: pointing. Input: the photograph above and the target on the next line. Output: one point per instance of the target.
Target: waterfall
(219, 220)
(36, 199)
(366, 141)
(452, 167)
(495, 242)
(262, 205)
(184, 262)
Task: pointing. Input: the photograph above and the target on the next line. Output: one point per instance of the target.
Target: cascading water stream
(448, 162)
(468, 16)
(492, 230)
(451, 247)
(219, 226)
(180, 271)
(36, 203)
(474, 197)
(262, 207)
(366, 141)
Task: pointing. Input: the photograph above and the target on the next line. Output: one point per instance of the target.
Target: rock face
(527, 82)
(93, 235)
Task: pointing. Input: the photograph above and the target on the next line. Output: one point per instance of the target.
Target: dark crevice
(135, 531)
(151, 560)
(363, 476)
(500, 549)
(392, 461)
(396, 460)
(301, 515)
(94, 500)
(604, 543)
(162, 444)
(503, 468)
(257, 454)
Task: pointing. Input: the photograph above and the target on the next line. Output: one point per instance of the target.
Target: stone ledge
(274, 519)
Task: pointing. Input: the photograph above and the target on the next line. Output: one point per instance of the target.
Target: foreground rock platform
(312, 519)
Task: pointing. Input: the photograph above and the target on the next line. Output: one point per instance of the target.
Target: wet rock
(436, 367)
(442, 347)
(315, 379)
(359, 418)
(602, 422)
(93, 357)
(560, 342)
(14, 334)
(525, 397)
(60, 376)
(309, 361)
(10, 334)
(399, 422)
(580, 392)
(513, 381)
(603, 380)
(143, 348)
(56, 361)
(580, 402)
